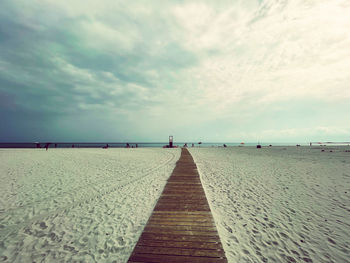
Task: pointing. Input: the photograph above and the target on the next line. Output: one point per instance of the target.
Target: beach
(275, 204)
(279, 204)
(71, 205)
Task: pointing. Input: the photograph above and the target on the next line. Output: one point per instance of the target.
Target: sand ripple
(87, 205)
(279, 204)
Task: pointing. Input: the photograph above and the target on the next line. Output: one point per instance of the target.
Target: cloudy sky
(228, 71)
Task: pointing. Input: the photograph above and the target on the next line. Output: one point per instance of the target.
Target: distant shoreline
(157, 144)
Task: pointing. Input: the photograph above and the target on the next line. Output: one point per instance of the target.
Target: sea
(137, 144)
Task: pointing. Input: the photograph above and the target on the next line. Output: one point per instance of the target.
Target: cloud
(149, 68)
(277, 51)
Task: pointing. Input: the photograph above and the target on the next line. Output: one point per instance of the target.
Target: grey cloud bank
(228, 71)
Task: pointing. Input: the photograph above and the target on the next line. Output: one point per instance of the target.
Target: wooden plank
(184, 233)
(177, 237)
(182, 213)
(182, 207)
(180, 223)
(181, 219)
(176, 197)
(188, 187)
(191, 179)
(157, 227)
(173, 259)
(182, 202)
(169, 198)
(182, 183)
(181, 227)
(202, 252)
(195, 220)
(182, 192)
(185, 208)
(181, 244)
(192, 196)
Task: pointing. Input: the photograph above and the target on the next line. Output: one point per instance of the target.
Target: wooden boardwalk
(181, 227)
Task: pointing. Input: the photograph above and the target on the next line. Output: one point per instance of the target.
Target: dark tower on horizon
(170, 141)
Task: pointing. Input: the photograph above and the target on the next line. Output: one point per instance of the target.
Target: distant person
(127, 145)
(47, 146)
(225, 145)
(192, 144)
(38, 145)
(55, 145)
(72, 145)
(185, 145)
(136, 145)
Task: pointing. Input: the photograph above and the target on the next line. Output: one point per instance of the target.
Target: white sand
(78, 204)
(279, 204)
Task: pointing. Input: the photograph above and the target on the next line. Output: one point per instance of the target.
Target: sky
(211, 71)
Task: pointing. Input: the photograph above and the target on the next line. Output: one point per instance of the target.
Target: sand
(279, 204)
(87, 205)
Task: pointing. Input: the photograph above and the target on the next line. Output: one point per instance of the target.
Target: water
(132, 144)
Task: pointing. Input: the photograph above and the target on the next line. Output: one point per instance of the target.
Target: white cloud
(113, 39)
(271, 52)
